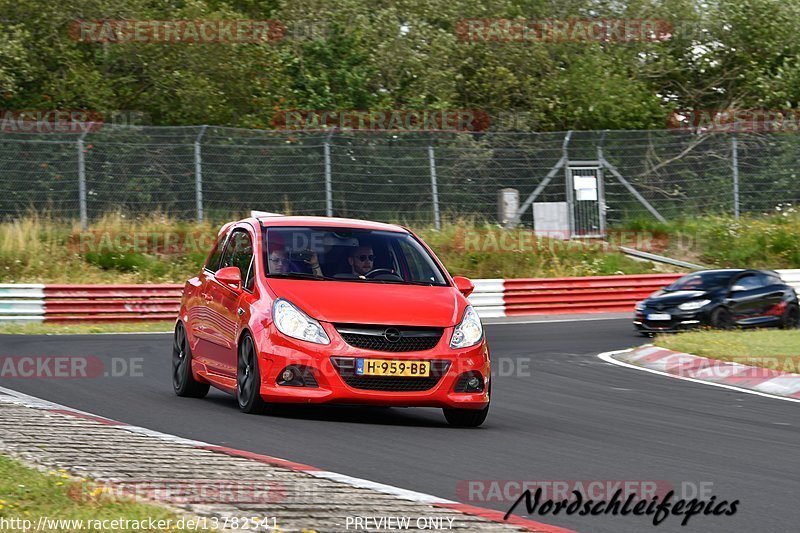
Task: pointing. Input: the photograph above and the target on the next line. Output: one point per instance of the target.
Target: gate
(585, 198)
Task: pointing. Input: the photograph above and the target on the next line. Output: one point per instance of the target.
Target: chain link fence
(216, 173)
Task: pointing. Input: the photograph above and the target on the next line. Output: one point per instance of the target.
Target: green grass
(765, 241)
(160, 249)
(476, 250)
(12, 328)
(26, 493)
(774, 349)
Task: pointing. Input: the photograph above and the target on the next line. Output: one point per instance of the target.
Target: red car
(327, 310)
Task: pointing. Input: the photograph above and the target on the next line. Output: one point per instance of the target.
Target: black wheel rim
(724, 319)
(245, 375)
(179, 358)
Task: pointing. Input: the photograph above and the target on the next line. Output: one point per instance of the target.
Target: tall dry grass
(37, 248)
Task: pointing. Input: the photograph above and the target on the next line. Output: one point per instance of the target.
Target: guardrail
(89, 303)
(491, 298)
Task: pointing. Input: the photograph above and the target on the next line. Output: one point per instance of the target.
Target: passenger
(279, 262)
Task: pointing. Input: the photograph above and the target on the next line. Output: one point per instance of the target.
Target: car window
(350, 254)
(750, 281)
(701, 281)
(419, 269)
(212, 264)
(239, 253)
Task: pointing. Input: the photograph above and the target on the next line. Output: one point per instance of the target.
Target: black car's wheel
(182, 380)
(791, 317)
(721, 318)
(248, 378)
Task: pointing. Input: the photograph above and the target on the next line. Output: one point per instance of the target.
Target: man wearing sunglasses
(361, 260)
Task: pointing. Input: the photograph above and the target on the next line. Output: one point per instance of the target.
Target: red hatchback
(327, 310)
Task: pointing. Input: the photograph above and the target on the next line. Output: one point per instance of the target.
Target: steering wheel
(376, 271)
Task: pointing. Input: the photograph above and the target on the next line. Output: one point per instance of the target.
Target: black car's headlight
(694, 305)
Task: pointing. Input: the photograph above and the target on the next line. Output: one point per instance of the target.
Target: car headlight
(691, 306)
(469, 332)
(294, 323)
(639, 306)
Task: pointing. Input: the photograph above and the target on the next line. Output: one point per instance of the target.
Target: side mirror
(464, 285)
(231, 277)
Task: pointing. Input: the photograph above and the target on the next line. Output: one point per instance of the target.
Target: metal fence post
(437, 223)
(82, 182)
(735, 162)
(328, 178)
(198, 174)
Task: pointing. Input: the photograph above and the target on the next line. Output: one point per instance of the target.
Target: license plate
(383, 367)
(659, 316)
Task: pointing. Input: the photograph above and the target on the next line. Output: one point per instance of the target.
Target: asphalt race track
(566, 416)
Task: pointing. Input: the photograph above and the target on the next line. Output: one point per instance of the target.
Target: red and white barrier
(491, 298)
(89, 303)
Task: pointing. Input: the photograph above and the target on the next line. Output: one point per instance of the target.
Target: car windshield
(701, 281)
(345, 254)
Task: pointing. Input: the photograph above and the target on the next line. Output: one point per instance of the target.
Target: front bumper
(335, 383)
(679, 321)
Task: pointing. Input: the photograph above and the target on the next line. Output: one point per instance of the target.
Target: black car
(720, 299)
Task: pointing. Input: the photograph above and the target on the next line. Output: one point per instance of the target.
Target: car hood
(356, 302)
(668, 298)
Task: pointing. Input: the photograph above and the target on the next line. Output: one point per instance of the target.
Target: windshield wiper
(299, 275)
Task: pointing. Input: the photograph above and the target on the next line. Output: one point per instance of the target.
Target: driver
(361, 260)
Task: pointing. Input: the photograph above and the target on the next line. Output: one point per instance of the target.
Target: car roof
(733, 271)
(327, 222)
(722, 271)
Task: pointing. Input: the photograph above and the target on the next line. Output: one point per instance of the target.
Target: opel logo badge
(392, 334)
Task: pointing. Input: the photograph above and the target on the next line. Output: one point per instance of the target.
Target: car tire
(721, 318)
(790, 319)
(467, 418)
(183, 381)
(248, 378)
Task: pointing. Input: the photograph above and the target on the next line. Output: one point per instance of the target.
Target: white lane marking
(607, 357)
(380, 487)
(19, 398)
(553, 320)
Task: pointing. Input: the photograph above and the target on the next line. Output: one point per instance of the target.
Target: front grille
(346, 366)
(390, 338)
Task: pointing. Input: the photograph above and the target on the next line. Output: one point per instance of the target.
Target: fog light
(470, 382)
(296, 376)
